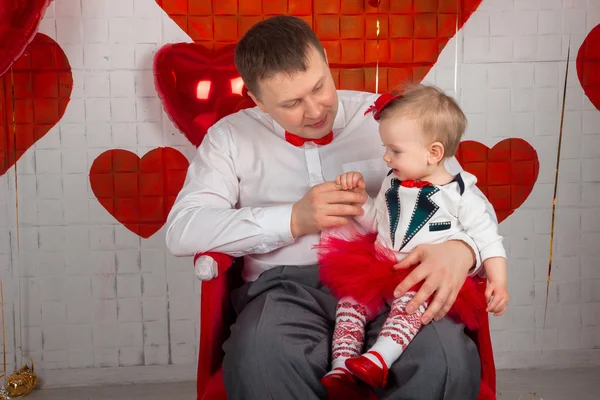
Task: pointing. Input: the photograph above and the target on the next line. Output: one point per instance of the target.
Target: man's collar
(338, 124)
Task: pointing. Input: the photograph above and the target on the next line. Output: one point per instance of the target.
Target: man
(258, 189)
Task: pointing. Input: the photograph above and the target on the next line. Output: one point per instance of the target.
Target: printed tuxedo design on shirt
(408, 213)
(422, 212)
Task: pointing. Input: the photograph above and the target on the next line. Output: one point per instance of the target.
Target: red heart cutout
(19, 22)
(196, 86)
(506, 173)
(41, 80)
(412, 35)
(588, 66)
(139, 193)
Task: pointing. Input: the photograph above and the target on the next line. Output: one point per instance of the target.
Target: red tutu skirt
(359, 269)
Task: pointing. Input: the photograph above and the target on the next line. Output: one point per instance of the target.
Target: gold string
(456, 52)
(560, 136)
(14, 132)
(377, 65)
(3, 331)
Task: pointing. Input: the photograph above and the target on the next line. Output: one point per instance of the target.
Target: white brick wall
(519, 94)
(93, 294)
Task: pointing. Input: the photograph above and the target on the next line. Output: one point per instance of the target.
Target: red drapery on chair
(216, 316)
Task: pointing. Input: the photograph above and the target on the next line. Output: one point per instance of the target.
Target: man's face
(304, 103)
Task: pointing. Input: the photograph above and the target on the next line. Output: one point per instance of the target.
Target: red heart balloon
(412, 35)
(588, 66)
(19, 22)
(506, 173)
(139, 193)
(42, 82)
(197, 86)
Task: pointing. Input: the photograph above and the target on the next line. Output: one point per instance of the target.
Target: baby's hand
(350, 181)
(497, 292)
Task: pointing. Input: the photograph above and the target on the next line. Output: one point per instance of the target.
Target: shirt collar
(338, 124)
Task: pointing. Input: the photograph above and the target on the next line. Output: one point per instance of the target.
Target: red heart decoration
(19, 22)
(588, 66)
(506, 173)
(139, 193)
(412, 35)
(197, 86)
(42, 82)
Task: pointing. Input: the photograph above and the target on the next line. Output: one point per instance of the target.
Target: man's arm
(203, 217)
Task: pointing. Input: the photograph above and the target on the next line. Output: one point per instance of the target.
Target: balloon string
(456, 53)
(560, 137)
(3, 332)
(377, 65)
(17, 232)
(14, 135)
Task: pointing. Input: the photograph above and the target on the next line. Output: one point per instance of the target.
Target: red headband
(381, 102)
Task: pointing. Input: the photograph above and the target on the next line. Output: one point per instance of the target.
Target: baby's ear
(436, 153)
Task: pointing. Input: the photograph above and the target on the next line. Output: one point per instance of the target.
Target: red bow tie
(299, 141)
(409, 183)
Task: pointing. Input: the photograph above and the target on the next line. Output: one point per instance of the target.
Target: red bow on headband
(381, 102)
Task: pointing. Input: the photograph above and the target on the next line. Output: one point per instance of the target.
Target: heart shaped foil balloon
(198, 86)
(19, 22)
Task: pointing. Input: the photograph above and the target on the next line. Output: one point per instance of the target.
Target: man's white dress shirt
(240, 188)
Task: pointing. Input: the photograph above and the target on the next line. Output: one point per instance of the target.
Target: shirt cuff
(368, 219)
(275, 223)
(368, 206)
(463, 237)
(493, 250)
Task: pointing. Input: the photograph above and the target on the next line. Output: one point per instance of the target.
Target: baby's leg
(398, 331)
(349, 333)
(348, 341)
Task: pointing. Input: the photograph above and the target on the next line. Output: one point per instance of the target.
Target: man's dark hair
(277, 44)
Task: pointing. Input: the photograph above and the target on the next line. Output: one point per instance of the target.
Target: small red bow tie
(299, 140)
(409, 183)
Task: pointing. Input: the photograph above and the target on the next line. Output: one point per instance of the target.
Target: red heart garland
(588, 66)
(139, 193)
(42, 83)
(506, 173)
(19, 22)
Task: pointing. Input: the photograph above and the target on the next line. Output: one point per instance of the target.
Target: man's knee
(440, 363)
(265, 356)
(257, 345)
(462, 364)
(247, 345)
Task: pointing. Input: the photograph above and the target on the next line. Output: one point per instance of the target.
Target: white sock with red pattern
(398, 331)
(349, 333)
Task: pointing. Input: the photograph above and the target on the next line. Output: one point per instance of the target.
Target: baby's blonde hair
(439, 115)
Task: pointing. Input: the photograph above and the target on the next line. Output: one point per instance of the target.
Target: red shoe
(345, 387)
(367, 371)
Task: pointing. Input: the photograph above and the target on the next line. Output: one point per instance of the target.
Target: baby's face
(406, 150)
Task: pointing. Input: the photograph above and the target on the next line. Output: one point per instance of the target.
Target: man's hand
(497, 292)
(350, 181)
(325, 206)
(443, 268)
